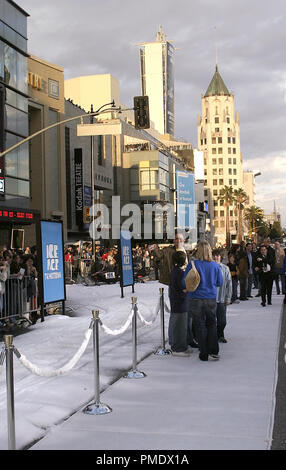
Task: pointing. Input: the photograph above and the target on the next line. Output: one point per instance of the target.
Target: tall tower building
(157, 81)
(219, 139)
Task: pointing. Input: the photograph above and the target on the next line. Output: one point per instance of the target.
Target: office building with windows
(219, 140)
(14, 125)
(157, 81)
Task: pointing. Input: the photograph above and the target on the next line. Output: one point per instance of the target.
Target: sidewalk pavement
(186, 404)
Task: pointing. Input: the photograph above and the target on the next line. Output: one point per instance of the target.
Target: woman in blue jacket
(202, 302)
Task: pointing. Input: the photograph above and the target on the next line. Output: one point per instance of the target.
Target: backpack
(192, 279)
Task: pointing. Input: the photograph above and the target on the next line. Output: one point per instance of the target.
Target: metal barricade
(68, 271)
(19, 299)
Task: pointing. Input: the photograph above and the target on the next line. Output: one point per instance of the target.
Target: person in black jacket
(264, 266)
(178, 322)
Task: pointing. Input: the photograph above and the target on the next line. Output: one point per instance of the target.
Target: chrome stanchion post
(8, 339)
(96, 408)
(134, 373)
(162, 351)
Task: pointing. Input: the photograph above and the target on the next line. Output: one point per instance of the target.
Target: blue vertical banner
(52, 261)
(127, 278)
(186, 204)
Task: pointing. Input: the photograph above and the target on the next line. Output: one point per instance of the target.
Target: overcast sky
(100, 36)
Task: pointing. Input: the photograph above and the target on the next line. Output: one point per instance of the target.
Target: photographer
(264, 267)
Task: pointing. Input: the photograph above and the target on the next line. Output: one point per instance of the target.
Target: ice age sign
(186, 206)
(126, 259)
(52, 262)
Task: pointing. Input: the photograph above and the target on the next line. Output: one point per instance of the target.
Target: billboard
(127, 278)
(186, 206)
(52, 255)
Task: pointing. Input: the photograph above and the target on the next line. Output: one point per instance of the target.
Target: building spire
(216, 50)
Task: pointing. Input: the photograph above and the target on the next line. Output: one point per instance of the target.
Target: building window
(205, 141)
(234, 161)
(233, 140)
(230, 182)
(205, 172)
(205, 192)
(229, 161)
(202, 141)
(229, 140)
(231, 213)
(214, 171)
(234, 150)
(215, 213)
(213, 140)
(220, 171)
(230, 171)
(214, 182)
(215, 193)
(229, 150)
(214, 161)
(234, 171)
(221, 182)
(213, 151)
(221, 202)
(228, 120)
(216, 120)
(235, 182)
(54, 89)
(220, 161)
(221, 213)
(219, 140)
(220, 150)
(217, 129)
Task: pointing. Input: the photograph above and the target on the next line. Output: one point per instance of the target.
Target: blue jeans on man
(250, 282)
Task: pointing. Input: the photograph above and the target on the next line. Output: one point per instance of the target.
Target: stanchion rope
(56, 372)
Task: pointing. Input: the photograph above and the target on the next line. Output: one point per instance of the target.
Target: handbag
(192, 279)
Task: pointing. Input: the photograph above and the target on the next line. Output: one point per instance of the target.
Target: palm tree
(253, 214)
(240, 198)
(227, 196)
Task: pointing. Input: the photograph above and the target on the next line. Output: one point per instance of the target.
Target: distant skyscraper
(157, 81)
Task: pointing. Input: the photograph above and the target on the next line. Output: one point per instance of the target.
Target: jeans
(250, 282)
(278, 276)
(221, 319)
(178, 329)
(234, 290)
(203, 313)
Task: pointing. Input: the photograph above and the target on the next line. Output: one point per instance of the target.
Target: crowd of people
(82, 263)
(18, 284)
(204, 282)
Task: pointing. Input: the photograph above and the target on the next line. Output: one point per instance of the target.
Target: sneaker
(236, 302)
(250, 296)
(214, 357)
(194, 344)
(189, 349)
(263, 304)
(222, 340)
(203, 358)
(182, 353)
(257, 295)
(269, 303)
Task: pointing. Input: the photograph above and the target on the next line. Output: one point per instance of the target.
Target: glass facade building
(14, 84)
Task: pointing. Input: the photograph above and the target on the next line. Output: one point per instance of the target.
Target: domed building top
(217, 86)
